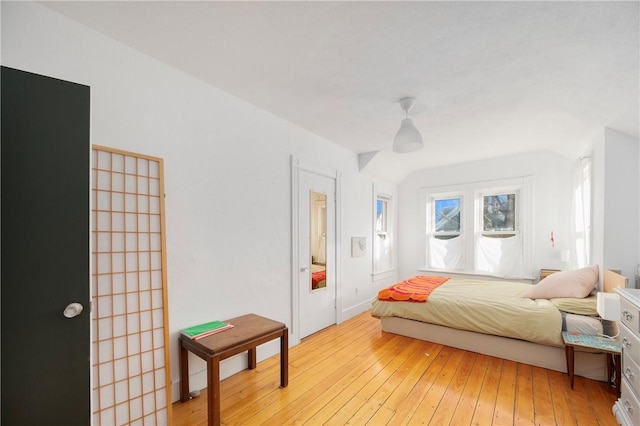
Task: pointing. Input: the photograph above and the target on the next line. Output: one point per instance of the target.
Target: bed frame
(587, 364)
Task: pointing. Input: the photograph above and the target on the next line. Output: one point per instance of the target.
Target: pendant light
(408, 138)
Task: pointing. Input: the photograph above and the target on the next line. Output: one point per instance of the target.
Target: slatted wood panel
(130, 351)
(544, 273)
(353, 373)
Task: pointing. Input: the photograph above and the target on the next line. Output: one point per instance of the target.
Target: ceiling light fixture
(408, 138)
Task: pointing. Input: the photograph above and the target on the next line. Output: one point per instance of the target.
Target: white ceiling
(492, 78)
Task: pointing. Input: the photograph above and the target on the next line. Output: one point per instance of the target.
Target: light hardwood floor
(353, 373)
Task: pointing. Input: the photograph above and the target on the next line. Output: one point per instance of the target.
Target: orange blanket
(416, 289)
(317, 277)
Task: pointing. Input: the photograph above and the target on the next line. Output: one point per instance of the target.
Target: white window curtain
(501, 257)
(580, 252)
(446, 254)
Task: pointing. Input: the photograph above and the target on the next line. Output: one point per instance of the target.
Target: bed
(493, 318)
(318, 276)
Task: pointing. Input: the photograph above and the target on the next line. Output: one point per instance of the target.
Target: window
(479, 228)
(499, 215)
(382, 207)
(447, 218)
(383, 261)
(446, 228)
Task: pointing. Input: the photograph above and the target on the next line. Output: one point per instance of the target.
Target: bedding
(318, 276)
(585, 306)
(581, 324)
(318, 279)
(416, 289)
(489, 307)
(577, 283)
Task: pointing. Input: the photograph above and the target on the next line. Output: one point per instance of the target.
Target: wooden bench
(247, 333)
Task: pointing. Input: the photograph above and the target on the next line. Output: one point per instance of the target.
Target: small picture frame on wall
(358, 246)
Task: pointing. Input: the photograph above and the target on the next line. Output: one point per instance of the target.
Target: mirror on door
(318, 234)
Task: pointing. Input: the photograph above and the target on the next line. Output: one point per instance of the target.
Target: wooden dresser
(627, 407)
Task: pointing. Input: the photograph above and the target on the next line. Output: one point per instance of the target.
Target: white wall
(227, 175)
(616, 204)
(621, 232)
(358, 297)
(551, 200)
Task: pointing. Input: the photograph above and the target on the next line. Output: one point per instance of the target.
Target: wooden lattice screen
(130, 355)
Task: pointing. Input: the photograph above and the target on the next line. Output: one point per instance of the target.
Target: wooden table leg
(252, 358)
(609, 369)
(284, 358)
(213, 384)
(184, 374)
(569, 353)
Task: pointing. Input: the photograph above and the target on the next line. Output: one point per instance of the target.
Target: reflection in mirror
(318, 234)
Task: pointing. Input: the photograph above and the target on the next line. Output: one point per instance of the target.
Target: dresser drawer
(631, 373)
(630, 345)
(629, 403)
(630, 315)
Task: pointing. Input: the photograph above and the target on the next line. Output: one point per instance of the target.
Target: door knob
(73, 310)
(304, 269)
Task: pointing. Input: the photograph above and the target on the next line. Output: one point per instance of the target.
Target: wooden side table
(247, 333)
(544, 273)
(602, 344)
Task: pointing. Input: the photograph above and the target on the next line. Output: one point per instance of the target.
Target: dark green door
(45, 250)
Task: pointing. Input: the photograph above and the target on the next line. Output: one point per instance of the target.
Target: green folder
(205, 329)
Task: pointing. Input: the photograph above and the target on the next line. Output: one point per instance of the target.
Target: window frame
(386, 194)
(384, 225)
(432, 212)
(493, 192)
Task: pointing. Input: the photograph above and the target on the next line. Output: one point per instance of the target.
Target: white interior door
(316, 251)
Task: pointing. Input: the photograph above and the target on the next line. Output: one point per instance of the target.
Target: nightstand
(608, 346)
(544, 273)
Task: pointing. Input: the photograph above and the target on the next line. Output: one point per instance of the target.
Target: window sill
(382, 275)
(480, 275)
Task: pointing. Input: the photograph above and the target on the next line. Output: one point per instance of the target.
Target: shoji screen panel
(131, 380)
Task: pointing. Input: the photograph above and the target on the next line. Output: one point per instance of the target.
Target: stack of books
(206, 329)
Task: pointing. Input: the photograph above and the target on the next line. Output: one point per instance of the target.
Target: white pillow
(578, 283)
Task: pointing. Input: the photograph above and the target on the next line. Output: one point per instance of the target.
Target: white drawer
(630, 344)
(631, 373)
(629, 315)
(629, 403)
